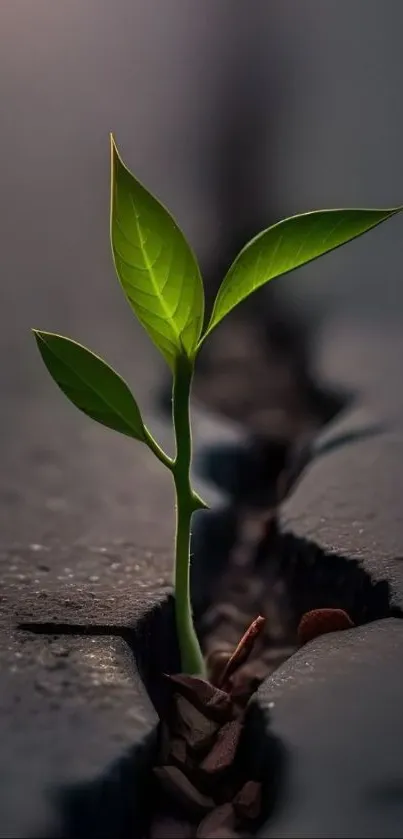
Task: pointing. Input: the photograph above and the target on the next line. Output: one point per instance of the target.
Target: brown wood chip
(216, 660)
(243, 650)
(192, 725)
(222, 755)
(219, 823)
(248, 801)
(175, 783)
(204, 696)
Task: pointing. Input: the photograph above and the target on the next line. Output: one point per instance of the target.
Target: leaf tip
(112, 148)
(112, 144)
(40, 333)
(115, 155)
(39, 339)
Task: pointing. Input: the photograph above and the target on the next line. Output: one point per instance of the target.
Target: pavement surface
(334, 706)
(349, 499)
(335, 709)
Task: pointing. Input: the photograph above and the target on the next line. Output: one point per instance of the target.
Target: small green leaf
(156, 267)
(91, 384)
(288, 245)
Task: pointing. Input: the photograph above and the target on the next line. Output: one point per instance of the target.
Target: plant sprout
(161, 279)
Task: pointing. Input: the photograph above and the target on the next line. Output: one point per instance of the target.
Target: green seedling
(160, 277)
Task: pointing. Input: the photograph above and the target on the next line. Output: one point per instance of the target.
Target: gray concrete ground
(349, 500)
(335, 707)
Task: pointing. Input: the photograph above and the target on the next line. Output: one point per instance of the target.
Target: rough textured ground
(335, 708)
(349, 501)
(333, 705)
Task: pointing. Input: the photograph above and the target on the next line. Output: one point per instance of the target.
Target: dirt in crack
(286, 580)
(203, 789)
(259, 374)
(204, 785)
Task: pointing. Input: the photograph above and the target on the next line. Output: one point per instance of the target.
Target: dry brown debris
(320, 622)
(201, 788)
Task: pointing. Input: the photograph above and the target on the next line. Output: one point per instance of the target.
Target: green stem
(186, 503)
(158, 451)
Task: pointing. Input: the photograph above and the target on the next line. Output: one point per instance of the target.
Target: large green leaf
(288, 245)
(91, 384)
(155, 265)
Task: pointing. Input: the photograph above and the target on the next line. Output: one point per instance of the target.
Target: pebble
(321, 621)
(222, 755)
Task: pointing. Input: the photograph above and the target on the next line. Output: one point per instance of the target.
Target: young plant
(160, 277)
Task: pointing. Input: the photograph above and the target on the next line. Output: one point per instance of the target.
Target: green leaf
(155, 265)
(91, 384)
(288, 245)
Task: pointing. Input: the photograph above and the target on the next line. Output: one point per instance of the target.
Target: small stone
(248, 801)
(176, 784)
(208, 699)
(321, 621)
(243, 649)
(192, 725)
(222, 755)
(219, 823)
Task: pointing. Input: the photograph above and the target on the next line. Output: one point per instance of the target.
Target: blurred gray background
(234, 114)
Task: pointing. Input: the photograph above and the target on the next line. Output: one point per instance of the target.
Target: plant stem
(158, 451)
(186, 503)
